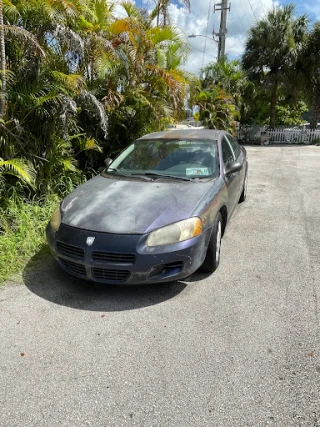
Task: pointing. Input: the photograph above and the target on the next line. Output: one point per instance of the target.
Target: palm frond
(23, 35)
(93, 103)
(120, 26)
(20, 168)
(68, 164)
(90, 144)
(10, 10)
(73, 82)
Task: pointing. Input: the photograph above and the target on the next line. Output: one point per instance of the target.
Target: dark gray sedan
(157, 212)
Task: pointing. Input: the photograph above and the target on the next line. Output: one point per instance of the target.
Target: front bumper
(124, 259)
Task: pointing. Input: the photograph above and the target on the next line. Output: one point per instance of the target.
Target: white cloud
(119, 11)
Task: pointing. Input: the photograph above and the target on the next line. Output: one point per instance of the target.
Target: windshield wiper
(129, 174)
(160, 175)
(147, 175)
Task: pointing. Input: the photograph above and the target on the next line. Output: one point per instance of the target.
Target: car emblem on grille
(90, 240)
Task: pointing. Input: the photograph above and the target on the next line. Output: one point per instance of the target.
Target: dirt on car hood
(123, 206)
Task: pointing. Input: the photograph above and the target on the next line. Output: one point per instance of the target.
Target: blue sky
(311, 8)
(202, 20)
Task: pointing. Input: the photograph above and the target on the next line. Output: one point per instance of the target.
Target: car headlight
(55, 220)
(174, 233)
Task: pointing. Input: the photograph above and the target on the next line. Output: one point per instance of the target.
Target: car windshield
(184, 159)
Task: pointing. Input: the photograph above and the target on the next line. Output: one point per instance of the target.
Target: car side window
(227, 153)
(235, 145)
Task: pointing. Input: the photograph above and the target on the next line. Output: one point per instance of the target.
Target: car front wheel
(212, 259)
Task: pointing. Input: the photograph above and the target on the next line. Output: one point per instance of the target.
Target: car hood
(128, 206)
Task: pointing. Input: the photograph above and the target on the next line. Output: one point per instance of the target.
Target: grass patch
(23, 233)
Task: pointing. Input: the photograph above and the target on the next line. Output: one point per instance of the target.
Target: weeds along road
(237, 348)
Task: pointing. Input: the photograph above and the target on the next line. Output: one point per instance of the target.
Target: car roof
(211, 134)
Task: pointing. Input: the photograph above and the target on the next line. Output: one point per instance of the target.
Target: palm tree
(303, 81)
(22, 35)
(310, 65)
(102, 80)
(228, 75)
(148, 63)
(162, 10)
(272, 48)
(217, 108)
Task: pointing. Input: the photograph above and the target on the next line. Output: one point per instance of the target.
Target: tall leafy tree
(87, 78)
(151, 85)
(20, 34)
(217, 108)
(229, 76)
(302, 82)
(272, 49)
(314, 70)
(45, 96)
(307, 74)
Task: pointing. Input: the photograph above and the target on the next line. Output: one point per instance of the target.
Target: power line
(208, 16)
(252, 10)
(207, 54)
(240, 18)
(263, 7)
(205, 42)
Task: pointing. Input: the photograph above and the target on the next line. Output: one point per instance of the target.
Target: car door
(232, 180)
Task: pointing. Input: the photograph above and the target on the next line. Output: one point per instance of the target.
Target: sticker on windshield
(198, 171)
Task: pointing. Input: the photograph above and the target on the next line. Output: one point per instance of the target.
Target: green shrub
(22, 233)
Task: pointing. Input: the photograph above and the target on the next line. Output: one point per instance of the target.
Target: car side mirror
(233, 167)
(108, 162)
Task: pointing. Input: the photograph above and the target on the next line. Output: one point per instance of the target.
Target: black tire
(244, 190)
(212, 260)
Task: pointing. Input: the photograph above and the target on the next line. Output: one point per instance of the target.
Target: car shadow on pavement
(197, 276)
(44, 277)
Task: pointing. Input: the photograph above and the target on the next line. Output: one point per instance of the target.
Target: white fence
(293, 136)
(283, 135)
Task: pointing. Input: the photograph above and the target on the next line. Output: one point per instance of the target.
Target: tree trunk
(158, 13)
(162, 7)
(165, 13)
(315, 116)
(273, 103)
(2, 66)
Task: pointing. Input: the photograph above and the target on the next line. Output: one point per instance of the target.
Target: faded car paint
(117, 214)
(130, 206)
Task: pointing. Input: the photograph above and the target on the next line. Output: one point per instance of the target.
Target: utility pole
(223, 6)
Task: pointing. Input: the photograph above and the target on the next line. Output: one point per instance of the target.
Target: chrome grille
(74, 267)
(114, 275)
(69, 250)
(113, 257)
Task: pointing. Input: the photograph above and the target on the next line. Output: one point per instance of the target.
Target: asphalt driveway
(237, 348)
